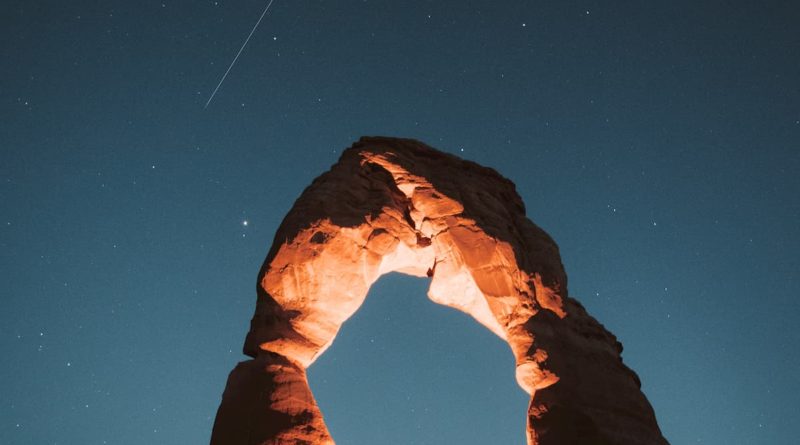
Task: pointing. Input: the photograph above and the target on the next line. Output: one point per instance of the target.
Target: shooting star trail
(239, 53)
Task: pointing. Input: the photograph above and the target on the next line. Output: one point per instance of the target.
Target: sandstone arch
(398, 205)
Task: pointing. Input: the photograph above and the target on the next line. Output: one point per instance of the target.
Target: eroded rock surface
(398, 205)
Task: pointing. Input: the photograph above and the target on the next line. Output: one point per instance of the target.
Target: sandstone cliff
(398, 205)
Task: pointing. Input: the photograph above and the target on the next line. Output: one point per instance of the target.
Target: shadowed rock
(398, 205)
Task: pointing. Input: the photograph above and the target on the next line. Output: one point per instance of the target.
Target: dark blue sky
(658, 143)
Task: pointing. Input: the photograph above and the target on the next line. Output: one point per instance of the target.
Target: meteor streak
(239, 53)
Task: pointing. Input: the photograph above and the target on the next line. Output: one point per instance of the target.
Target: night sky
(659, 144)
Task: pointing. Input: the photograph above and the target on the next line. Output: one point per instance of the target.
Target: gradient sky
(659, 144)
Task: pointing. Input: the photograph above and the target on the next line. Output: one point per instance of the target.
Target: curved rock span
(398, 205)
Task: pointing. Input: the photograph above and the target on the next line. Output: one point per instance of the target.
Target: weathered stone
(398, 205)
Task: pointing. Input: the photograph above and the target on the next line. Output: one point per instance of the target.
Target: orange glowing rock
(399, 205)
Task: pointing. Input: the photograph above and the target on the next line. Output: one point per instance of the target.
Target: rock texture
(398, 205)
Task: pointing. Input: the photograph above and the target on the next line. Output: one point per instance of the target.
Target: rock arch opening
(406, 370)
(394, 205)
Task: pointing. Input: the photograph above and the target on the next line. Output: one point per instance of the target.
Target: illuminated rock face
(399, 205)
